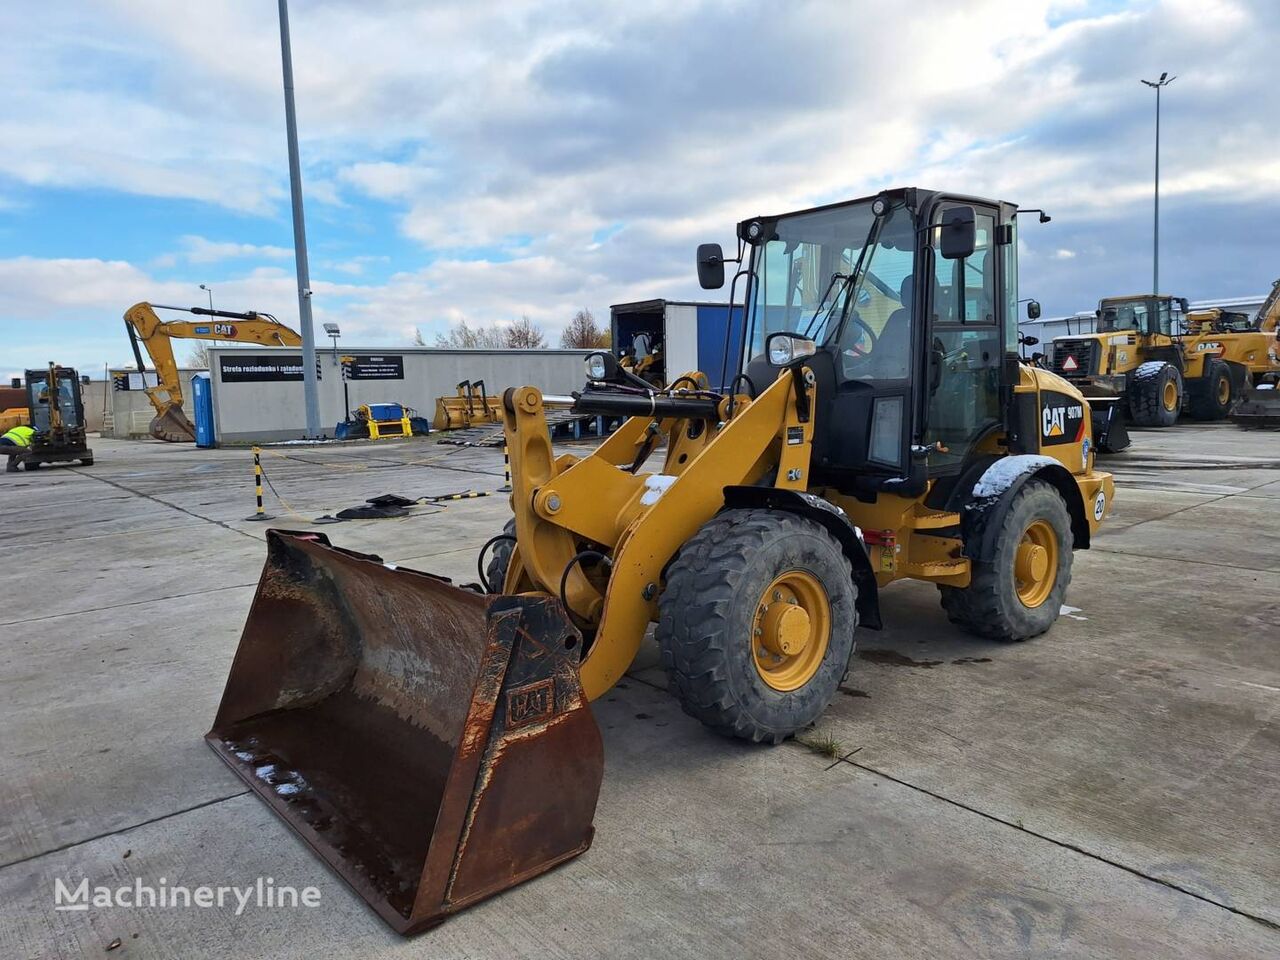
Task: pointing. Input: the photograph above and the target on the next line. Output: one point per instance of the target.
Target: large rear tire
(756, 624)
(1215, 396)
(1155, 394)
(1018, 593)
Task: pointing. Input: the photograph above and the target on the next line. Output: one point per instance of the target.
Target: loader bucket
(432, 745)
(173, 426)
(1259, 410)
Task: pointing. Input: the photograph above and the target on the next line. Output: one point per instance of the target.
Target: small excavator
(434, 744)
(146, 328)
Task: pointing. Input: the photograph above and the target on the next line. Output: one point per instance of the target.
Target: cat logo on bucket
(1061, 418)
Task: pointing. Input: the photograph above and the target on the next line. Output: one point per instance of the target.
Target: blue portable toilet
(202, 398)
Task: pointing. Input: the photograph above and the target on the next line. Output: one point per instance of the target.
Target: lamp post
(1156, 85)
(209, 290)
(310, 373)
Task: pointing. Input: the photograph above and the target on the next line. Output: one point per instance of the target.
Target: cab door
(966, 347)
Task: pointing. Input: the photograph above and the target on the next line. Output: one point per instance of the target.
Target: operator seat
(891, 356)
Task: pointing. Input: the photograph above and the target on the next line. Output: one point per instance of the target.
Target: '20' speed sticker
(1099, 505)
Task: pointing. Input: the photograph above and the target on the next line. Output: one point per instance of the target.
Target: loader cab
(911, 298)
(1146, 315)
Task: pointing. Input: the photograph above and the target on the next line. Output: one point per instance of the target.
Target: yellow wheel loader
(145, 328)
(1155, 359)
(435, 745)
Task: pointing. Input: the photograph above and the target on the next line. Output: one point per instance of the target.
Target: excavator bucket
(173, 426)
(434, 746)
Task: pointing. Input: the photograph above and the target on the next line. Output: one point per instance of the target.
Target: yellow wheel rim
(1224, 390)
(791, 630)
(1171, 396)
(1035, 566)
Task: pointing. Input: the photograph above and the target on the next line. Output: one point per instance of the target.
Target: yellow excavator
(146, 328)
(434, 744)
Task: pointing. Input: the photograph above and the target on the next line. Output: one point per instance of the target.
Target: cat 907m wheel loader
(435, 745)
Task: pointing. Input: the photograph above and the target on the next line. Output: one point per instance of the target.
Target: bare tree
(199, 356)
(466, 337)
(524, 334)
(583, 333)
(417, 337)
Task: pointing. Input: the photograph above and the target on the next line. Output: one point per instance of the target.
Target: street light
(334, 333)
(209, 291)
(1164, 81)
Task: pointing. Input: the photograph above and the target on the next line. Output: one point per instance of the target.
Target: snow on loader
(435, 746)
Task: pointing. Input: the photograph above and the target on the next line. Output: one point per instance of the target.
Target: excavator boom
(148, 330)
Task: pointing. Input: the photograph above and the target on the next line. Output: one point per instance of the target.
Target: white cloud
(507, 139)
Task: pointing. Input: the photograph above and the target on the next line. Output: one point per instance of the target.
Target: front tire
(1155, 394)
(1018, 593)
(756, 624)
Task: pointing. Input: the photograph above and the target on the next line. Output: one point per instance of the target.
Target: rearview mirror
(1033, 309)
(710, 266)
(959, 233)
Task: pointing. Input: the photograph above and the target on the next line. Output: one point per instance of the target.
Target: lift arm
(157, 336)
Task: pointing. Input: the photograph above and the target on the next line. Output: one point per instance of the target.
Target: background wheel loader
(435, 746)
(170, 422)
(1154, 359)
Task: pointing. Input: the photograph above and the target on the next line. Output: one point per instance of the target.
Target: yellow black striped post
(258, 513)
(506, 470)
(465, 495)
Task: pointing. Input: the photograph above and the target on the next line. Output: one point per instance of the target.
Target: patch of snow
(1069, 611)
(1002, 474)
(655, 485)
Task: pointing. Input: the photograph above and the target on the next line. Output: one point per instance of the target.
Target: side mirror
(1033, 309)
(1030, 341)
(785, 348)
(710, 266)
(959, 233)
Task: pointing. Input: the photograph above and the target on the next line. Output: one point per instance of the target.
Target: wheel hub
(1033, 562)
(1170, 396)
(791, 630)
(786, 629)
(1035, 565)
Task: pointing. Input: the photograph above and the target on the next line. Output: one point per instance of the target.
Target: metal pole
(1155, 234)
(310, 392)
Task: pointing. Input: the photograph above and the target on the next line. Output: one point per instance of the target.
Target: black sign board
(373, 367)
(261, 369)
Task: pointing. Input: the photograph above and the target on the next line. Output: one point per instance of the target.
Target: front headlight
(784, 348)
(780, 351)
(596, 368)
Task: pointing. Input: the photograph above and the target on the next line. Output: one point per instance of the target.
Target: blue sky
(481, 161)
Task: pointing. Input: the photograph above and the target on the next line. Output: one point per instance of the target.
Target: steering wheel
(857, 352)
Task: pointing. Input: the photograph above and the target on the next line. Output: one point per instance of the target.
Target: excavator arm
(146, 329)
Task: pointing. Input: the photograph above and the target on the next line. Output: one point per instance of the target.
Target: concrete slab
(1107, 790)
(704, 849)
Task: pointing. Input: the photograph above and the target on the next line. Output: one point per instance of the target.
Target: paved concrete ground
(1109, 790)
